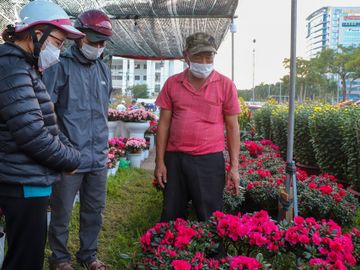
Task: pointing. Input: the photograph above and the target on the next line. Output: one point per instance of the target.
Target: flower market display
(325, 136)
(247, 235)
(135, 145)
(248, 241)
(262, 174)
(137, 115)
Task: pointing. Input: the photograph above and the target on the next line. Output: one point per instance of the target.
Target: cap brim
(202, 49)
(94, 37)
(72, 32)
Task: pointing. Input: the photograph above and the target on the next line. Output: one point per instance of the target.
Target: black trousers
(26, 228)
(199, 178)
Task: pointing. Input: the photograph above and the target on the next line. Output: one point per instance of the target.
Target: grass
(132, 207)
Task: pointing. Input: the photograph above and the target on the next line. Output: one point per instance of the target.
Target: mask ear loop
(39, 43)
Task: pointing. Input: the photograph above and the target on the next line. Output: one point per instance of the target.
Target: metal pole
(290, 144)
(253, 82)
(280, 94)
(337, 87)
(232, 56)
(233, 31)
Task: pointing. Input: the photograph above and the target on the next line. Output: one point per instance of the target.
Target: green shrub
(303, 148)
(279, 126)
(262, 121)
(351, 144)
(326, 137)
(244, 115)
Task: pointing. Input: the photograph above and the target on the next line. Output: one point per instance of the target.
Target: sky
(269, 22)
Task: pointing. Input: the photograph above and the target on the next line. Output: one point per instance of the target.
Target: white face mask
(201, 71)
(48, 56)
(91, 52)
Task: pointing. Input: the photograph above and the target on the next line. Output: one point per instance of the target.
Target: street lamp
(253, 81)
(233, 31)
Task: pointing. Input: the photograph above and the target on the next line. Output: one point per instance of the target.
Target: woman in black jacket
(33, 151)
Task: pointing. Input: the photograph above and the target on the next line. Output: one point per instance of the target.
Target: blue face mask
(201, 71)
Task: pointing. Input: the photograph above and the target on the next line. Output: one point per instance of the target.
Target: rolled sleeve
(164, 100)
(231, 105)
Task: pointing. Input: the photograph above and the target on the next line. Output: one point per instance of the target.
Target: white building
(129, 72)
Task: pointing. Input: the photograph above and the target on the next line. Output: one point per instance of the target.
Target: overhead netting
(149, 28)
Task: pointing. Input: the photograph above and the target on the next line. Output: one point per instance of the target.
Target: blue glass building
(330, 27)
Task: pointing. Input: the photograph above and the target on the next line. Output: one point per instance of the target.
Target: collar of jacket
(10, 48)
(74, 52)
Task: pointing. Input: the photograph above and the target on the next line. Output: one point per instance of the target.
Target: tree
(139, 91)
(245, 94)
(354, 66)
(308, 76)
(337, 62)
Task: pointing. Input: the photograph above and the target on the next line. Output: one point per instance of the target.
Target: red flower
(181, 265)
(326, 189)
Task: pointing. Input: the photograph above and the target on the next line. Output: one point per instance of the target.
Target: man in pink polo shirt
(195, 106)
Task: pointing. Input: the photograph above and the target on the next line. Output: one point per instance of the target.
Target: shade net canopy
(148, 29)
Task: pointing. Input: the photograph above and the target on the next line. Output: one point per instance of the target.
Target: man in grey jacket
(80, 87)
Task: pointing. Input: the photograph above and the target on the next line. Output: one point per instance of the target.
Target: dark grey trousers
(92, 186)
(199, 178)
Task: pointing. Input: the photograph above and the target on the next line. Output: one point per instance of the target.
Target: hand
(233, 180)
(160, 173)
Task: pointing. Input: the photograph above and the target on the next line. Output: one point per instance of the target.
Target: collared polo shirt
(197, 123)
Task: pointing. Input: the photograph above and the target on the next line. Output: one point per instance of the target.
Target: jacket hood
(74, 52)
(11, 49)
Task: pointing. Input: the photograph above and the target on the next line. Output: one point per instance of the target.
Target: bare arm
(161, 142)
(233, 139)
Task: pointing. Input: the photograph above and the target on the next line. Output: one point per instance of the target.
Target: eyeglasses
(59, 42)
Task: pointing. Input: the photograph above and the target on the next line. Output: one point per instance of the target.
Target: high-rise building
(129, 72)
(329, 27)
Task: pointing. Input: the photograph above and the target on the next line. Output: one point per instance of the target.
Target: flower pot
(48, 216)
(152, 141)
(136, 129)
(76, 199)
(2, 247)
(309, 169)
(353, 192)
(135, 159)
(146, 153)
(121, 131)
(113, 126)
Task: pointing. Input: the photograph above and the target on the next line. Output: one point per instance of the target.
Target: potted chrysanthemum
(134, 148)
(137, 122)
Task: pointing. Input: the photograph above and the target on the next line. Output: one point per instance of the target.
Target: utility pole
(233, 31)
(254, 41)
(253, 82)
(280, 94)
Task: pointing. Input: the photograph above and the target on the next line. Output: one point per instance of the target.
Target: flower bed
(262, 175)
(325, 136)
(251, 241)
(136, 116)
